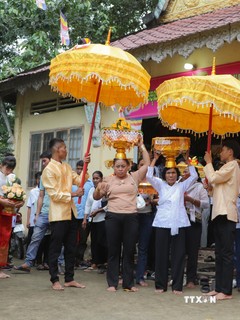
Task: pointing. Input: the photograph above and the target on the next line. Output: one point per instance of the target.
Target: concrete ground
(30, 297)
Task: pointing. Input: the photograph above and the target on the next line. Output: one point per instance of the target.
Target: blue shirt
(46, 200)
(81, 207)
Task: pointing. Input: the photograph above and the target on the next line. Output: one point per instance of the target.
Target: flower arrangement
(121, 124)
(14, 192)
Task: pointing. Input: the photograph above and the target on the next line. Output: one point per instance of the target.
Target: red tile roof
(180, 28)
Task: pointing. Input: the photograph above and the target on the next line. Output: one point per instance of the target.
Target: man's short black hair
(46, 154)
(166, 169)
(80, 163)
(234, 146)
(53, 142)
(38, 174)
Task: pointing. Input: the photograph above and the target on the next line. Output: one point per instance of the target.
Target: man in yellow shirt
(58, 178)
(226, 185)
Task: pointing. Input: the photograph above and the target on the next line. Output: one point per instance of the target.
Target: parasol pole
(211, 112)
(209, 140)
(85, 165)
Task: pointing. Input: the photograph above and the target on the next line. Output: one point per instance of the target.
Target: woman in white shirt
(95, 212)
(196, 199)
(170, 222)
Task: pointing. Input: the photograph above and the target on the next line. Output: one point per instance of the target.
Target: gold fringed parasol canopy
(77, 72)
(99, 73)
(185, 102)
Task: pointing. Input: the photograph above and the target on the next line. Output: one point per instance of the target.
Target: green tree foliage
(30, 37)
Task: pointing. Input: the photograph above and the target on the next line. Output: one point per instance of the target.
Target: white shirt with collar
(171, 212)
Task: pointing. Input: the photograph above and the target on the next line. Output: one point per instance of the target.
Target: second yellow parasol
(201, 104)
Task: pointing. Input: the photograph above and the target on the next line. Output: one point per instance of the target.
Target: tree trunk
(5, 118)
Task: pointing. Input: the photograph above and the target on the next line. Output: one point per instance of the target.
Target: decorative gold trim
(180, 9)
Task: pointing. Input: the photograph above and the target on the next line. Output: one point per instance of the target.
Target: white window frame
(74, 153)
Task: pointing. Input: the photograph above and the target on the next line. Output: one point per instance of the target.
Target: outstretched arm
(146, 159)
(155, 181)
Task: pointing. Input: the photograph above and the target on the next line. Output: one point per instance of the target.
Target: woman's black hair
(99, 173)
(9, 161)
(165, 171)
(133, 168)
(126, 160)
(199, 178)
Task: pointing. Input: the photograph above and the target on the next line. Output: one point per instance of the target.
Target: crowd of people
(170, 222)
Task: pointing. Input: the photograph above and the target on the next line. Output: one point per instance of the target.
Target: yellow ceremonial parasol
(201, 104)
(78, 72)
(100, 73)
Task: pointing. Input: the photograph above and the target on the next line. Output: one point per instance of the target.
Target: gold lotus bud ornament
(194, 162)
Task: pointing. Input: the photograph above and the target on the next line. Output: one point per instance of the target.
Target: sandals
(40, 267)
(90, 269)
(205, 288)
(21, 268)
(209, 259)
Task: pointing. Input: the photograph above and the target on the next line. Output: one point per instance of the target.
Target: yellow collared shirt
(58, 179)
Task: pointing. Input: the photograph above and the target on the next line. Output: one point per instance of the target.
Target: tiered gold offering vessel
(170, 148)
(121, 137)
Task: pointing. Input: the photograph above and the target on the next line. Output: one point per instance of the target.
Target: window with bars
(39, 143)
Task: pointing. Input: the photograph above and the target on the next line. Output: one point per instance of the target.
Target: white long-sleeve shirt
(197, 191)
(171, 212)
(92, 205)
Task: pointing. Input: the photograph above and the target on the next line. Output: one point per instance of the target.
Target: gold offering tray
(121, 140)
(128, 137)
(146, 188)
(171, 147)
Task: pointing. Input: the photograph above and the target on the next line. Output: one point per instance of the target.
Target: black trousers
(43, 250)
(165, 242)
(121, 229)
(210, 232)
(224, 232)
(29, 236)
(82, 241)
(193, 239)
(63, 233)
(98, 242)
